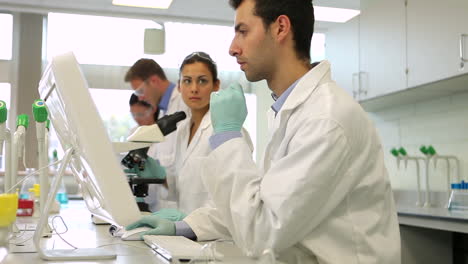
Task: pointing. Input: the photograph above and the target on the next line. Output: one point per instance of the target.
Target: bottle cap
(22, 120)
(39, 111)
(36, 189)
(3, 112)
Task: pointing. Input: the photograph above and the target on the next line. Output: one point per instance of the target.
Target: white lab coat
(185, 185)
(165, 152)
(322, 194)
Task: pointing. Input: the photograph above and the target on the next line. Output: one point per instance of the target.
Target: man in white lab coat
(321, 193)
(148, 80)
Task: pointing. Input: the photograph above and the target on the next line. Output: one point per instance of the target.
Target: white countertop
(83, 233)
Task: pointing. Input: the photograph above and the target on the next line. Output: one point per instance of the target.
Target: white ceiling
(202, 11)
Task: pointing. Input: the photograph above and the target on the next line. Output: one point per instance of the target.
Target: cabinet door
(342, 50)
(434, 29)
(382, 46)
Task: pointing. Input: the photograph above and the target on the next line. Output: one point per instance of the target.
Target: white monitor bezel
(79, 126)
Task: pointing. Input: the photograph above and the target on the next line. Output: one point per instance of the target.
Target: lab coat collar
(205, 124)
(303, 89)
(307, 85)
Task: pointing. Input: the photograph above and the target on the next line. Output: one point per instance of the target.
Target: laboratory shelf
(425, 92)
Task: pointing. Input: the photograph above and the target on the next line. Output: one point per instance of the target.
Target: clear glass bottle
(62, 195)
(28, 184)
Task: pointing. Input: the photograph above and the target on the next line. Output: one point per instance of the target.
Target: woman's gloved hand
(161, 226)
(228, 109)
(170, 214)
(153, 169)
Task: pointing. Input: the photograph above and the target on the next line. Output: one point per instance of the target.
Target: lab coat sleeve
(277, 208)
(207, 224)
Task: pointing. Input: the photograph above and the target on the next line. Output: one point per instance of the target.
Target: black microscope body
(137, 159)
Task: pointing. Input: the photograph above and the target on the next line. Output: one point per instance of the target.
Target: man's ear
(154, 79)
(282, 27)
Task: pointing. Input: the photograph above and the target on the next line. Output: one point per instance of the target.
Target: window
(5, 94)
(5, 91)
(317, 51)
(115, 113)
(6, 36)
(124, 37)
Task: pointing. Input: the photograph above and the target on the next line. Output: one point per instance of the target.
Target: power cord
(32, 174)
(54, 230)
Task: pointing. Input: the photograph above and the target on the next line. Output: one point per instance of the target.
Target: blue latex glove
(161, 226)
(228, 109)
(152, 170)
(170, 214)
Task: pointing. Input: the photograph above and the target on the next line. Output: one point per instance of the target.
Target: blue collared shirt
(164, 103)
(279, 101)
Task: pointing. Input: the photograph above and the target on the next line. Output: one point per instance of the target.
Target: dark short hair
(200, 56)
(143, 69)
(135, 101)
(300, 12)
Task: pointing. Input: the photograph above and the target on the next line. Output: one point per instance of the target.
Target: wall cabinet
(342, 49)
(382, 51)
(399, 44)
(435, 35)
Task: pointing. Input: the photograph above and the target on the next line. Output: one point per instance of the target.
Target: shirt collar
(164, 103)
(280, 100)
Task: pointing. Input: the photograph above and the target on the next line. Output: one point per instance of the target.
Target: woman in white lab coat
(198, 79)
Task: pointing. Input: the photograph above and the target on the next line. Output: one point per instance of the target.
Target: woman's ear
(217, 84)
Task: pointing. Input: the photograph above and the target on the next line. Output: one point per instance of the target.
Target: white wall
(442, 123)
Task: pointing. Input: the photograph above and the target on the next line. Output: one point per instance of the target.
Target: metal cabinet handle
(462, 47)
(355, 91)
(361, 85)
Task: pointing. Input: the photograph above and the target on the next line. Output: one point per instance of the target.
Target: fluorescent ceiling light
(162, 4)
(331, 14)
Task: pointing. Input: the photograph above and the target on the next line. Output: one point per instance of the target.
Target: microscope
(137, 159)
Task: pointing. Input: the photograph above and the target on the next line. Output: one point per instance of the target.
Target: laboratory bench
(82, 233)
(428, 235)
(431, 235)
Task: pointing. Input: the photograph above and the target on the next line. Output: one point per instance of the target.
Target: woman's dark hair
(300, 12)
(200, 56)
(135, 101)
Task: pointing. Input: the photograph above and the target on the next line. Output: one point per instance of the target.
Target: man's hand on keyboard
(170, 214)
(161, 227)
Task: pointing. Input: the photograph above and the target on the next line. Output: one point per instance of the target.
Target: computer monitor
(78, 125)
(88, 152)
